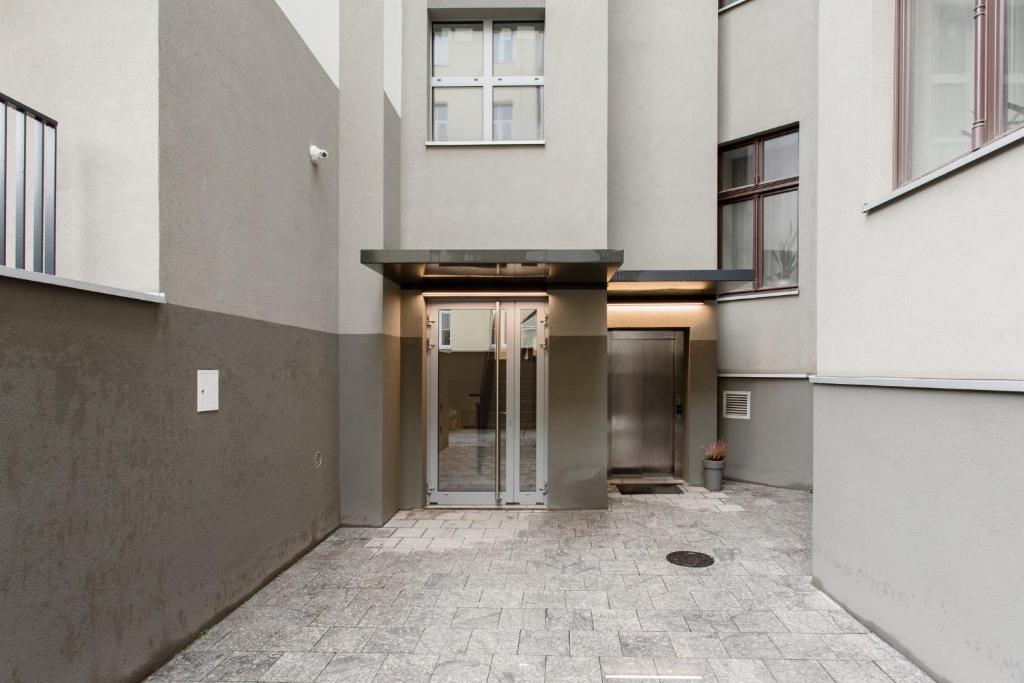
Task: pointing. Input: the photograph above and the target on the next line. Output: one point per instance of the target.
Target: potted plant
(715, 454)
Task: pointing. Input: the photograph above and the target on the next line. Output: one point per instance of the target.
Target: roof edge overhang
(511, 269)
(677, 285)
(446, 268)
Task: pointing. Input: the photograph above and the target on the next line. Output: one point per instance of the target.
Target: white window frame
(504, 336)
(438, 57)
(438, 124)
(488, 81)
(444, 324)
(505, 122)
(511, 57)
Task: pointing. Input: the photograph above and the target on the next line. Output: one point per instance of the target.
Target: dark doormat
(638, 489)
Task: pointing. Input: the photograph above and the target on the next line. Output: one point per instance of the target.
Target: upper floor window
(960, 79)
(487, 81)
(758, 208)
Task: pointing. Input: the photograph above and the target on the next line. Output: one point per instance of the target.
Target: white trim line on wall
(764, 375)
(485, 143)
(1014, 386)
(43, 278)
(757, 295)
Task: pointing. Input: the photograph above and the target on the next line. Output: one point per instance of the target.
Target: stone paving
(478, 595)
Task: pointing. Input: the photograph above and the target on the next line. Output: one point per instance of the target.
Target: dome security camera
(316, 155)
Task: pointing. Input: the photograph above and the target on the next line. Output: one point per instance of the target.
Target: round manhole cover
(688, 558)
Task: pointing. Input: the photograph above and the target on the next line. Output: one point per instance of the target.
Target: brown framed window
(959, 79)
(758, 209)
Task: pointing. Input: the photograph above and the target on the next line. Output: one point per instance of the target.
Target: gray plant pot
(713, 474)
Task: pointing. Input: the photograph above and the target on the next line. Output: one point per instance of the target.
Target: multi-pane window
(960, 79)
(487, 81)
(758, 209)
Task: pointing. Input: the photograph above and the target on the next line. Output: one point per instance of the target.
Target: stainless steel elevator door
(642, 400)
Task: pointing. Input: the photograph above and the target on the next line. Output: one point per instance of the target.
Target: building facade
(917, 400)
(192, 233)
(555, 242)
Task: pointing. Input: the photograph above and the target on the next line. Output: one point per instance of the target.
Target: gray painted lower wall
(128, 521)
(578, 422)
(391, 143)
(917, 522)
(701, 428)
(413, 471)
(368, 462)
(775, 445)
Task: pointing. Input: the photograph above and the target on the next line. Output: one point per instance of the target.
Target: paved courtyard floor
(477, 595)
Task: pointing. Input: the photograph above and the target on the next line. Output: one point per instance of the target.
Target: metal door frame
(506, 441)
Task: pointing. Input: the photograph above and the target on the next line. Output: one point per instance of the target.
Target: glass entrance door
(487, 401)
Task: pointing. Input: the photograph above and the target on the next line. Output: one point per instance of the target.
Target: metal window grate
(736, 405)
(28, 179)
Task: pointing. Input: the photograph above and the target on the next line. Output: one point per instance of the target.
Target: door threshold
(647, 479)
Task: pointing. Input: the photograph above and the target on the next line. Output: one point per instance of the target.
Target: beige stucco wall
(93, 67)
(699, 318)
(367, 182)
(922, 287)
(551, 196)
(768, 78)
(662, 94)
(249, 225)
(577, 385)
(700, 322)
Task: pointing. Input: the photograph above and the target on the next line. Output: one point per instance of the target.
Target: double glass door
(487, 441)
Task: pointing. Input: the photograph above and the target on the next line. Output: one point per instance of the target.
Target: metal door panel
(658, 405)
(626, 369)
(641, 386)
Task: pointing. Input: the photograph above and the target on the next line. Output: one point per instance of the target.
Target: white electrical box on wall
(207, 390)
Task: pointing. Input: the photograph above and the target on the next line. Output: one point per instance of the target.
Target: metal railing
(28, 180)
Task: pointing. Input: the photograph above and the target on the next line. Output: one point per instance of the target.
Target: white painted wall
(926, 286)
(94, 67)
(513, 197)
(392, 43)
(916, 516)
(364, 189)
(317, 21)
(768, 53)
(662, 151)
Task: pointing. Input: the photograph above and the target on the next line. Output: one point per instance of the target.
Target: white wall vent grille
(736, 405)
